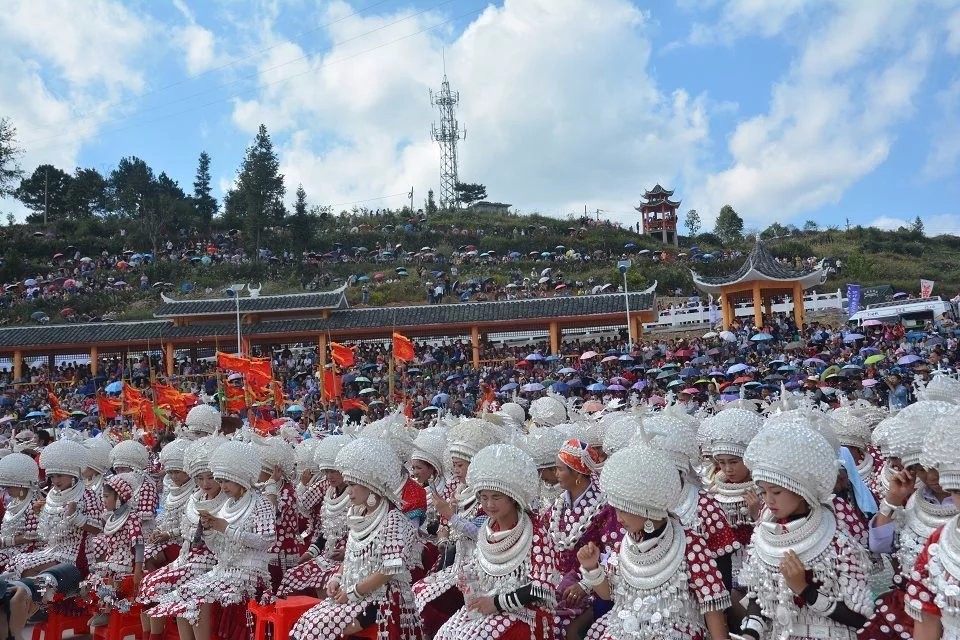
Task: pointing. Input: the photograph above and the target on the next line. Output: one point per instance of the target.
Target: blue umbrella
(625, 358)
(532, 386)
(689, 372)
(559, 387)
(294, 408)
(439, 399)
(701, 360)
(576, 383)
(737, 368)
(762, 337)
(510, 386)
(853, 337)
(629, 245)
(566, 370)
(909, 359)
(597, 386)
(534, 356)
(36, 414)
(114, 387)
(552, 358)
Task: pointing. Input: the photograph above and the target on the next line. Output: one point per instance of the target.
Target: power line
(344, 204)
(253, 76)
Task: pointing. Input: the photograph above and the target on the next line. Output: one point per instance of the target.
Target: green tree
(776, 230)
(430, 206)
(729, 225)
(204, 204)
(301, 224)
(917, 226)
(46, 188)
(10, 172)
(130, 185)
(692, 222)
(470, 192)
(811, 226)
(256, 201)
(88, 193)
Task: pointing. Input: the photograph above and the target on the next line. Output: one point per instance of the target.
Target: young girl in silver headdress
(19, 477)
(805, 576)
(507, 583)
(372, 587)
(662, 579)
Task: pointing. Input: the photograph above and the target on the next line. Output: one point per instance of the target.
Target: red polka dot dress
(661, 587)
(195, 557)
(19, 519)
(327, 548)
(934, 587)
(380, 542)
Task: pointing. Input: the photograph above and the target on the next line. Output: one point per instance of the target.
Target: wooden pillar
(168, 359)
(554, 338)
(51, 362)
(17, 365)
(637, 326)
(726, 312)
(475, 342)
(757, 305)
(798, 304)
(768, 306)
(247, 347)
(94, 360)
(321, 358)
(193, 354)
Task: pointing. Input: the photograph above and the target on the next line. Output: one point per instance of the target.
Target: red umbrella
(67, 312)
(57, 255)
(743, 379)
(524, 363)
(683, 353)
(560, 287)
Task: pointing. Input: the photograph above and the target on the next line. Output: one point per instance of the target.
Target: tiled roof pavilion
(321, 317)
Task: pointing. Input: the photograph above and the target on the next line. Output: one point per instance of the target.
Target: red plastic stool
(56, 624)
(281, 616)
(121, 625)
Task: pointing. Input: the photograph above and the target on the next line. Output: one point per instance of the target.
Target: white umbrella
(710, 334)
(728, 336)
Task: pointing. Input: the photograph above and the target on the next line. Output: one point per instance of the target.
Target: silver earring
(371, 500)
(648, 527)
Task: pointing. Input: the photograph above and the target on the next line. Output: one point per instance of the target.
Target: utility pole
(447, 134)
(411, 200)
(46, 179)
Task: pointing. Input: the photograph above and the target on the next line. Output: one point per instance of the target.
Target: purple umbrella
(639, 386)
(909, 359)
(809, 362)
(616, 387)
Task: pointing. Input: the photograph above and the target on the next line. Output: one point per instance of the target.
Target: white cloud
(63, 62)
(555, 97)
(741, 18)
(935, 225)
(953, 33)
(198, 44)
(831, 119)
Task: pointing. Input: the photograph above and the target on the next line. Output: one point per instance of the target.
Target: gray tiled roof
(221, 306)
(407, 318)
(761, 260)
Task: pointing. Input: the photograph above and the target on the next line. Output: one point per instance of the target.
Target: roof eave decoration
(338, 300)
(760, 265)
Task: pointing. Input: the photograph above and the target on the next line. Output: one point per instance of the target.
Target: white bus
(914, 312)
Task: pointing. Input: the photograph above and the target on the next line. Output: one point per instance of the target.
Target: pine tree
(10, 172)
(204, 204)
(431, 204)
(729, 226)
(301, 225)
(257, 200)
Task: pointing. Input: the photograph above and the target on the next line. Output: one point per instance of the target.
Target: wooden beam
(554, 338)
(17, 365)
(798, 305)
(94, 360)
(757, 305)
(475, 342)
(168, 359)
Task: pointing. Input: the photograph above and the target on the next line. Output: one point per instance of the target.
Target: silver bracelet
(353, 595)
(888, 510)
(824, 604)
(753, 623)
(593, 577)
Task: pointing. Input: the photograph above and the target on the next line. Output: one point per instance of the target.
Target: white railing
(697, 316)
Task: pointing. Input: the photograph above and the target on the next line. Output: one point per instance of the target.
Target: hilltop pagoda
(659, 215)
(759, 280)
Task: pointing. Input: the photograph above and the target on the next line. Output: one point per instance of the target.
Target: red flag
(131, 396)
(109, 408)
(232, 362)
(259, 372)
(57, 414)
(342, 355)
(332, 385)
(235, 400)
(402, 348)
(353, 403)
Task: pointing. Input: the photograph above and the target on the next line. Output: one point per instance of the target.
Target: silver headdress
(237, 462)
(907, 429)
(372, 464)
(203, 419)
(543, 444)
(63, 457)
(505, 469)
(792, 455)
(19, 470)
(326, 451)
(172, 455)
(304, 455)
(940, 451)
(275, 452)
(430, 446)
(197, 456)
(548, 411)
(469, 436)
(730, 431)
(676, 439)
(131, 454)
(98, 453)
(641, 481)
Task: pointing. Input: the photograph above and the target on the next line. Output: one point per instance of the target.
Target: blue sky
(790, 110)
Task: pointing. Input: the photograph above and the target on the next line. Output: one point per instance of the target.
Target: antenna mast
(447, 134)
